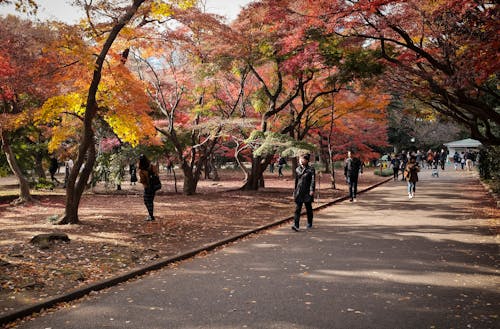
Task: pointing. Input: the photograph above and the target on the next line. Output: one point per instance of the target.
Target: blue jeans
(411, 187)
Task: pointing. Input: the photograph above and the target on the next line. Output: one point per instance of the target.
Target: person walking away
(133, 173)
(468, 161)
(170, 166)
(462, 160)
(352, 169)
(430, 159)
(281, 164)
(456, 160)
(402, 167)
(411, 174)
(305, 184)
(395, 167)
(54, 165)
(442, 158)
(146, 170)
(271, 166)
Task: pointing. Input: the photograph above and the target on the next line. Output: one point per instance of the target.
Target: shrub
(385, 172)
(44, 184)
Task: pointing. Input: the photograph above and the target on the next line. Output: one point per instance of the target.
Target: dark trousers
(353, 187)
(149, 197)
(298, 210)
(396, 172)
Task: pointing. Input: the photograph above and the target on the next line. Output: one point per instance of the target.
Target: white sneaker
(410, 196)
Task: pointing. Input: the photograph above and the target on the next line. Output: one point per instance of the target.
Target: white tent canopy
(463, 145)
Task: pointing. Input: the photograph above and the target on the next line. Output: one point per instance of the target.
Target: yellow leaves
(57, 105)
(161, 9)
(130, 130)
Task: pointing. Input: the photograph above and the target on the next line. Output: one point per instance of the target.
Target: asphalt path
(382, 262)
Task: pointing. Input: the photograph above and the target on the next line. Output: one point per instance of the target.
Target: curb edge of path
(136, 272)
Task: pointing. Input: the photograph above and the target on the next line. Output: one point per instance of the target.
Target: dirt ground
(113, 236)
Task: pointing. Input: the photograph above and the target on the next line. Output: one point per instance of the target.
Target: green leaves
(268, 143)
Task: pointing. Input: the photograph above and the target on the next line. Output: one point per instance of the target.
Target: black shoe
(295, 228)
(351, 200)
(309, 226)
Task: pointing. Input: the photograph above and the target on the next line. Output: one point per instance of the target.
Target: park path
(383, 262)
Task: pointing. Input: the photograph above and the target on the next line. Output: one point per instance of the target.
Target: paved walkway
(383, 262)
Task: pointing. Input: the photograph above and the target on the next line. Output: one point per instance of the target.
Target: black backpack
(154, 181)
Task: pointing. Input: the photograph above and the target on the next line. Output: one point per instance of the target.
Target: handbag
(154, 181)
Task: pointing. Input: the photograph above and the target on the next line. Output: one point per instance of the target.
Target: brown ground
(113, 236)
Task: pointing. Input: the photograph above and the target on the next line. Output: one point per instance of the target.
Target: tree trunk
(190, 182)
(24, 187)
(295, 164)
(175, 179)
(86, 151)
(215, 171)
(256, 176)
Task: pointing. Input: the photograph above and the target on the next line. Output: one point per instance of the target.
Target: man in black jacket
(351, 172)
(305, 184)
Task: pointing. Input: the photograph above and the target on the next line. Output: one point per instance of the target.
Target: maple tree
(197, 93)
(106, 19)
(25, 82)
(444, 53)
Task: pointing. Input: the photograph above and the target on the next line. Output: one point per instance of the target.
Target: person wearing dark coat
(54, 165)
(145, 171)
(352, 168)
(305, 184)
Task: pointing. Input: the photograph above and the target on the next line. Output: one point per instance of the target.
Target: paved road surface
(383, 262)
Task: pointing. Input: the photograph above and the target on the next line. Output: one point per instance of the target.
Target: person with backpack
(352, 168)
(411, 174)
(148, 176)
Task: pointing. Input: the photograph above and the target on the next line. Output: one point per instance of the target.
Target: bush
(489, 167)
(385, 172)
(44, 184)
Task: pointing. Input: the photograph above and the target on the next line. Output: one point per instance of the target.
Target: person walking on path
(305, 184)
(411, 174)
(281, 164)
(395, 167)
(352, 169)
(442, 158)
(146, 172)
(133, 173)
(54, 165)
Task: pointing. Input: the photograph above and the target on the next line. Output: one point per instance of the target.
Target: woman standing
(411, 174)
(305, 183)
(146, 169)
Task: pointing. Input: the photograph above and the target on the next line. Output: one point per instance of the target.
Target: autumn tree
(197, 93)
(25, 82)
(443, 53)
(106, 19)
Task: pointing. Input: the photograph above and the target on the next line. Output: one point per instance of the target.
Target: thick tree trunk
(24, 187)
(190, 181)
(256, 176)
